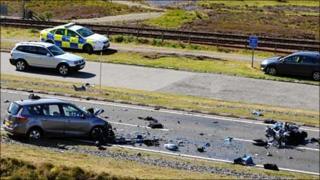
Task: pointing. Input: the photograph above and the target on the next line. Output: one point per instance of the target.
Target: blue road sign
(253, 41)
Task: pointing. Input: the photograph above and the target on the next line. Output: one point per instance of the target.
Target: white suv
(46, 55)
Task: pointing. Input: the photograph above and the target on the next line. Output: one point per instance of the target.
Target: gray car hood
(69, 57)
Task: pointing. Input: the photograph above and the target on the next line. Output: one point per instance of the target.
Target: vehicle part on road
(155, 125)
(258, 112)
(228, 140)
(269, 121)
(245, 160)
(201, 149)
(260, 142)
(6, 101)
(282, 134)
(148, 118)
(171, 147)
(271, 167)
(269, 154)
(33, 96)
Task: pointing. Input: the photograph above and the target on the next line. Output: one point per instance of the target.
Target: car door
(73, 39)
(77, 123)
(32, 57)
(307, 65)
(290, 65)
(51, 118)
(58, 37)
(45, 57)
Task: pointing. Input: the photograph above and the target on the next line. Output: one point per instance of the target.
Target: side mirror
(48, 55)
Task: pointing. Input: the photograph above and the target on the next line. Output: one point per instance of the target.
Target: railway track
(207, 38)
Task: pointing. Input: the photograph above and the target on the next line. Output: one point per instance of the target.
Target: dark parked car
(305, 63)
(54, 117)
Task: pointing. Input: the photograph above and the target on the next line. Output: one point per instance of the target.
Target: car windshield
(56, 51)
(85, 32)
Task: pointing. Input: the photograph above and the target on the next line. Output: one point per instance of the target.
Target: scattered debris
(315, 140)
(139, 154)
(290, 157)
(201, 134)
(282, 134)
(6, 101)
(178, 122)
(171, 147)
(155, 125)
(258, 112)
(245, 160)
(33, 96)
(269, 121)
(271, 167)
(157, 108)
(228, 139)
(260, 142)
(215, 122)
(269, 154)
(62, 146)
(83, 87)
(201, 149)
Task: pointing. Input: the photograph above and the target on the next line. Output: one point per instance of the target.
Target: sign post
(253, 43)
(100, 76)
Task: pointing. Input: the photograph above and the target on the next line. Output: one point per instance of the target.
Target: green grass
(175, 18)
(260, 3)
(72, 9)
(171, 101)
(43, 162)
(12, 168)
(90, 165)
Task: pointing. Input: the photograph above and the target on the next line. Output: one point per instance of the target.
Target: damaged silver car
(38, 117)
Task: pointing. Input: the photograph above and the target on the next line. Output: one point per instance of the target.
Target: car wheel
(63, 69)
(271, 71)
(21, 65)
(34, 134)
(316, 76)
(96, 133)
(88, 49)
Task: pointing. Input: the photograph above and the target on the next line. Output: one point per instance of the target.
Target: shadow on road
(53, 72)
(108, 51)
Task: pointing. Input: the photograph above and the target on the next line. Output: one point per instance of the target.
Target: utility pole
(23, 9)
(100, 71)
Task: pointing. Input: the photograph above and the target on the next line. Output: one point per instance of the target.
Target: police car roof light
(68, 25)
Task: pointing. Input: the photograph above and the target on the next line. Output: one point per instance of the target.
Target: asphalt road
(216, 86)
(197, 129)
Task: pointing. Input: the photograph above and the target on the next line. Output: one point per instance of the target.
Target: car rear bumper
(14, 129)
(12, 61)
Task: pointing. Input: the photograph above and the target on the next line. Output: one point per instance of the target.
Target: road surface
(215, 86)
(195, 130)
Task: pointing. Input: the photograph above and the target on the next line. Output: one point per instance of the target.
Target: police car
(75, 37)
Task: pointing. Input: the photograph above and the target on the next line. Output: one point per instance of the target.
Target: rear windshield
(14, 108)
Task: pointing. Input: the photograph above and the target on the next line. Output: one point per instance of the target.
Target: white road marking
(152, 109)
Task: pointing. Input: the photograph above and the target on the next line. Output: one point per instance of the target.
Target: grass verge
(175, 18)
(171, 101)
(71, 9)
(71, 164)
(59, 162)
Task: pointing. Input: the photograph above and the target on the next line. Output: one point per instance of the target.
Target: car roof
(40, 44)
(38, 101)
(307, 53)
(70, 26)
